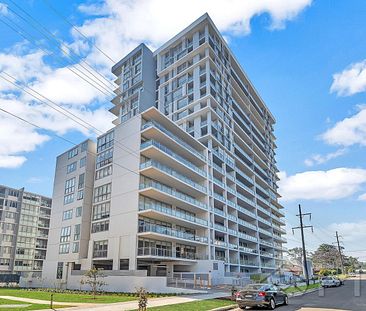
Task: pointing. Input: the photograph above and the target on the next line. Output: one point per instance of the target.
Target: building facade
(186, 181)
(24, 228)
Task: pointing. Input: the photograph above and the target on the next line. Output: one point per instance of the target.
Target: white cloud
(362, 197)
(118, 26)
(320, 159)
(353, 236)
(349, 131)
(321, 185)
(3, 9)
(351, 80)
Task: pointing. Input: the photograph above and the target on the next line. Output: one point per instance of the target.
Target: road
(350, 296)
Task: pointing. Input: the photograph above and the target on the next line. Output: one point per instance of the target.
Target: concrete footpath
(128, 305)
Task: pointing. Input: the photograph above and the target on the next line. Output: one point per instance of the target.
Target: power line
(50, 53)
(65, 49)
(69, 141)
(76, 29)
(118, 144)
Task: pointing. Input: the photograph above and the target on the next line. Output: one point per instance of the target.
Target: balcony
(248, 250)
(220, 227)
(264, 221)
(183, 199)
(247, 224)
(174, 156)
(165, 253)
(175, 234)
(220, 243)
(266, 254)
(264, 242)
(247, 237)
(249, 263)
(172, 213)
(183, 179)
(175, 138)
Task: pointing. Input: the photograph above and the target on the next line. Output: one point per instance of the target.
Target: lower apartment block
(157, 208)
(24, 226)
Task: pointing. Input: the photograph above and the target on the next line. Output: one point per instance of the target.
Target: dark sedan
(261, 295)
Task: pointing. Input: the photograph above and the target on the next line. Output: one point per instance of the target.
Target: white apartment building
(24, 225)
(184, 184)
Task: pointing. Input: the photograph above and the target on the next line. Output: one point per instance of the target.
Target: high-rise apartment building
(185, 181)
(24, 226)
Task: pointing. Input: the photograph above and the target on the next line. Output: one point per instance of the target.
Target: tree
(326, 257)
(94, 278)
(142, 302)
(295, 255)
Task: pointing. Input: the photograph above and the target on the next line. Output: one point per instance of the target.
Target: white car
(330, 281)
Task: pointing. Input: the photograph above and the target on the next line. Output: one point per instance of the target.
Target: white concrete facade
(184, 185)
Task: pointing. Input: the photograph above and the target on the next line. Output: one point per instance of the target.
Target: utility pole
(339, 251)
(302, 227)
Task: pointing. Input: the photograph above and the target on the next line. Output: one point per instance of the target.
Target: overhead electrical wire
(77, 30)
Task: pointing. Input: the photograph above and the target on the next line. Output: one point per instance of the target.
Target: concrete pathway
(46, 302)
(7, 307)
(153, 302)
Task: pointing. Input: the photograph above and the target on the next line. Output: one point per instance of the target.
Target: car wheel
(285, 301)
(272, 304)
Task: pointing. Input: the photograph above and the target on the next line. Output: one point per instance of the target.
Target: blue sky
(306, 59)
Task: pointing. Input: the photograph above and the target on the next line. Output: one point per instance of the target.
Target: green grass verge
(65, 297)
(202, 305)
(31, 307)
(301, 288)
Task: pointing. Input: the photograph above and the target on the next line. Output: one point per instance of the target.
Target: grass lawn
(301, 288)
(65, 297)
(31, 307)
(202, 305)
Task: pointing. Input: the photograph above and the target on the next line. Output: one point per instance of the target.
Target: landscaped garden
(201, 305)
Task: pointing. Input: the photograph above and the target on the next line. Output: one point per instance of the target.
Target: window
(72, 153)
(64, 249)
(105, 141)
(102, 193)
(65, 234)
(67, 214)
(68, 198)
(84, 146)
(104, 172)
(104, 158)
(78, 211)
(101, 211)
(59, 271)
(100, 249)
(124, 264)
(100, 226)
(71, 167)
(80, 195)
(81, 181)
(82, 162)
(75, 247)
(70, 185)
(77, 232)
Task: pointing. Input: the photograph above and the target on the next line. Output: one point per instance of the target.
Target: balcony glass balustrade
(168, 190)
(168, 170)
(171, 212)
(174, 137)
(147, 227)
(173, 154)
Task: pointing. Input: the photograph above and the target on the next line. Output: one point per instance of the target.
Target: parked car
(340, 280)
(352, 274)
(330, 281)
(261, 295)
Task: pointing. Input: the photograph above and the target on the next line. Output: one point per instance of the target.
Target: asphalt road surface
(350, 296)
